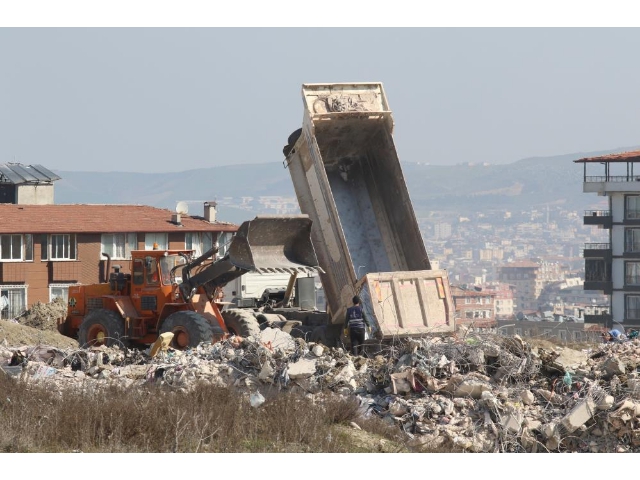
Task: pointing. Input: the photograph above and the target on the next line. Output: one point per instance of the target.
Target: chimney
(176, 218)
(210, 210)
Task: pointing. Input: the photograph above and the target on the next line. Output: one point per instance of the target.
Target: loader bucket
(275, 244)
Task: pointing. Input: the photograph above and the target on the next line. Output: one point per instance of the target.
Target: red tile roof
(81, 218)
(633, 156)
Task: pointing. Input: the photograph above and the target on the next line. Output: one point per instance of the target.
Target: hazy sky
(174, 99)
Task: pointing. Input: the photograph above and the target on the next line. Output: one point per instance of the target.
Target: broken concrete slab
(579, 415)
(303, 368)
(277, 339)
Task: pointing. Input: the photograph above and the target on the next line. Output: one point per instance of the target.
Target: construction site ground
(470, 392)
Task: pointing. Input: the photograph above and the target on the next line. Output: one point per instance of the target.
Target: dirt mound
(16, 335)
(44, 316)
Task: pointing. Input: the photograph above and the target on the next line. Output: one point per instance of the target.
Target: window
(138, 271)
(467, 300)
(547, 332)
(563, 335)
(169, 263)
(632, 210)
(632, 273)
(156, 238)
(224, 240)
(118, 245)
(632, 240)
(152, 270)
(517, 331)
(59, 291)
(597, 270)
(16, 247)
(199, 242)
(62, 247)
(13, 301)
(632, 307)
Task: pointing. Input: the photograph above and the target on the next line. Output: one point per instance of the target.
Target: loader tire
(189, 329)
(102, 327)
(241, 322)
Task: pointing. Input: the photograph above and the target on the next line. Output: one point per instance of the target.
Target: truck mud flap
(275, 244)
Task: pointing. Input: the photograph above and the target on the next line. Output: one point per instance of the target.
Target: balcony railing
(597, 213)
(612, 178)
(597, 246)
(598, 217)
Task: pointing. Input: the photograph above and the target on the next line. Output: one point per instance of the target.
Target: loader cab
(157, 269)
(155, 273)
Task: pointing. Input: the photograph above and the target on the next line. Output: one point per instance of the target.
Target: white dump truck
(348, 180)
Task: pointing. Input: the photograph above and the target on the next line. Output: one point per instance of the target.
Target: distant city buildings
(474, 307)
(275, 205)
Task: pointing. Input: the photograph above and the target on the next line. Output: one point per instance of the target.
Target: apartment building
(503, 300)
(44, 247)
(523, 275)
(474, 307)
(529, 278)
(614, 267)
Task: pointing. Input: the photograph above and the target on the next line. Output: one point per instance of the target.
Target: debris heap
(480, 393)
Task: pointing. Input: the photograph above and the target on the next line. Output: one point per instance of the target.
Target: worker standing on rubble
(355, 325)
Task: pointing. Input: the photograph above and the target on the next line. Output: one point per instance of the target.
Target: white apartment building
(614, 267)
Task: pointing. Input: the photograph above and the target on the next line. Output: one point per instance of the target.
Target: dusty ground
(17, 335)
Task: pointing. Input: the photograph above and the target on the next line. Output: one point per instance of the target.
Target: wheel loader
(170, 291)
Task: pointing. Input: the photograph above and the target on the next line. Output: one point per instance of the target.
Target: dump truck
(171, 291)
(348, 179)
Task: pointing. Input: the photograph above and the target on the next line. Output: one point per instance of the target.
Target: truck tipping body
(348, 179)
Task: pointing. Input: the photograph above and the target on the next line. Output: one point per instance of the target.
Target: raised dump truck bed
(348, 179)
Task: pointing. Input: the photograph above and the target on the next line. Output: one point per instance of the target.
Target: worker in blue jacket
(355, 324)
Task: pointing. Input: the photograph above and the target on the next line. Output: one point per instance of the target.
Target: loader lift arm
(266, 244)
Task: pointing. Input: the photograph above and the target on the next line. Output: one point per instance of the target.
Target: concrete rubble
(481, 393)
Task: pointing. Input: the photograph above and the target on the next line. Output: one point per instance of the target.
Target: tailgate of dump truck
(408, 303)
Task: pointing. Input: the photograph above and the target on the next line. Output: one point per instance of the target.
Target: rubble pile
(480, 393)
(44, 316)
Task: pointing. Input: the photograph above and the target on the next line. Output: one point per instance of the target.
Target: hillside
(523, 184)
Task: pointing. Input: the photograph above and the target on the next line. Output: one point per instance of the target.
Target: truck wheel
(189, 329)
(241, 322)
(319, 335)
(293, 138)
(101, 327)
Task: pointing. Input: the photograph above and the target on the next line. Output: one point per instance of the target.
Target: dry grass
(154, 419)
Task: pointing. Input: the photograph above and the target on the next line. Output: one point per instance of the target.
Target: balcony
(604, 184)
(601, 318)
(597, 250)
(598, 217)
(604, 286)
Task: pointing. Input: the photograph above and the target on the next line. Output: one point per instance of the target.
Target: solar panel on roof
(25, 173)
(8, 173)
(16, 173)
(46, 172)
